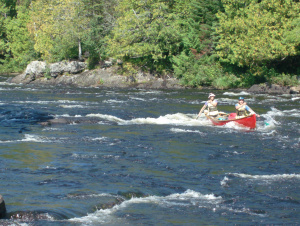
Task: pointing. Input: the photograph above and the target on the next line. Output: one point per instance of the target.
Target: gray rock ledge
(273, 89)
(72, 74)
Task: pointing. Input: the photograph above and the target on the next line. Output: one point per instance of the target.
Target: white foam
(72, 106)
(267, 177)
(113, 101)
(243, 93)
(176, 130)
(188, 198)
(295, 98)
(67, 116)
(293, 112)
(7, 83)
(34, 138)
(224, 181)
(28, 138)
(99, 138)
(138, 98)
(170, 119)
(228, 101)
(275, 112)
(235, 126)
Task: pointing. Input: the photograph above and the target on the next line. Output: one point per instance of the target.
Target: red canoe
(248, 121)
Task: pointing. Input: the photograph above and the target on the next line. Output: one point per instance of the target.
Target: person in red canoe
(212, 106)
(242, 109)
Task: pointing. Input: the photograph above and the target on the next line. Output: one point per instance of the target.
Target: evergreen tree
(101, 14)
(196, 20)
(20, 44)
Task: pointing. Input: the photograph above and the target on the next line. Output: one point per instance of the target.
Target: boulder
(38, 68)
(2, 207)
(269, 88)
(35, 68)
(72, 67)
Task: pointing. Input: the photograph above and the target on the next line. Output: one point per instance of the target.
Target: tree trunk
(79, 50)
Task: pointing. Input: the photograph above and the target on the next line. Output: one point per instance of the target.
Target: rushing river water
(139, 157)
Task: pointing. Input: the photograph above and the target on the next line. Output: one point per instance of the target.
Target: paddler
(242, 109)
(212, 106)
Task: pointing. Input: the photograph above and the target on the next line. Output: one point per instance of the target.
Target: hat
(241, 98)
(211, 95)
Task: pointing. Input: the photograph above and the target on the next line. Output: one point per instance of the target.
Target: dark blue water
(139, 157)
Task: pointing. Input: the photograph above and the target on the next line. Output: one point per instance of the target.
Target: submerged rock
(69, 121)
(2, 207)
(28, 216)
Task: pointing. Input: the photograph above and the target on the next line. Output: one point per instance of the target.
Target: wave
(176, 130)
(243, 93)
(266, 177)
(169, 119)
(29, 138)
(295, 98)
(72, 106)
(275, 112)
(188, 198)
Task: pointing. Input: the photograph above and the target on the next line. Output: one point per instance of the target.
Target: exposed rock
(105, 77)
(2, 207)
(38, 69)
(269, 88)
(295, 90)
(72, 67)
(35, 68)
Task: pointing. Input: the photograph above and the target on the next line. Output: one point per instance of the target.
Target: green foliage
(227, 81)
(285, 80)
(129, 69)
(252, 32)
(100, 26)
(218, 43)
(274, 77)
(20, 45)
(57, 27)
(145, 31)
(195, 73)
(47, 73)
(16, 47)
(194, 65)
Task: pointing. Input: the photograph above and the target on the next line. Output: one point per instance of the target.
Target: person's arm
(251, 111)
(238, 106)
(202, 109)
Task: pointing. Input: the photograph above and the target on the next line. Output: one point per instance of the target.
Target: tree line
(219, 43)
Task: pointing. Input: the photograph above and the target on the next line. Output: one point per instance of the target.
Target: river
(139, 157)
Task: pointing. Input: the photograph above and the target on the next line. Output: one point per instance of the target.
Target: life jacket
(212, 110)
(242, 111)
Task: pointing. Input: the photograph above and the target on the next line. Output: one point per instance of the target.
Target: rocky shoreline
(74, 73)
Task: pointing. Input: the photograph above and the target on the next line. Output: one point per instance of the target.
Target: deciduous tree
(254, 32)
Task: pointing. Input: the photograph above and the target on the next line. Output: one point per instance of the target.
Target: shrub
(285, 80)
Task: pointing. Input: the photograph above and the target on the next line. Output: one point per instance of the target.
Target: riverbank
(102, 77)
(75, 74)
